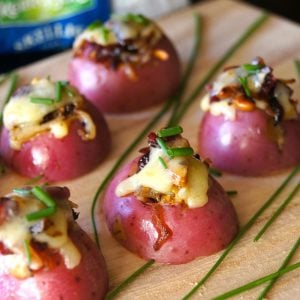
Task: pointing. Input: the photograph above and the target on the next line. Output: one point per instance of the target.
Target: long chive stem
(277, 212)
(128, 280)
(12, 86)
(257, 282)
(297, 65)
(247, 34)
(189, 68)
(34, 179)
(146, 129)
(284, 264)
(243, 230)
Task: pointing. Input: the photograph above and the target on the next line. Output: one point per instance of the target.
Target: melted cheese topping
(117, 30)
(24, 119)
(255, 81)
(185, 179)
(16, 229)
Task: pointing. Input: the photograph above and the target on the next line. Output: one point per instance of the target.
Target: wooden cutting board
(224, 21)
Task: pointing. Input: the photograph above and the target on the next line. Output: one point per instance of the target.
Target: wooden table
(279, 43)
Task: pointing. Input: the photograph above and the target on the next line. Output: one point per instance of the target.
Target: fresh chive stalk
(284, 265)
(170, 131)
(163, 146)
(34, 179)
(22, 191)
(244, 83)
(43, 196)
(12, 86)
(96, 24)
(190, 66)
(27, 251)
(105, 33)
(184, 151)
(41, 100)
(251, 68)
(246, 35)
(215, 172)
(257, 282)
(162, 161)
(243, 230)
(136, 18)
(58, 91)
(40, 214)
(114, 292)
(277, 212)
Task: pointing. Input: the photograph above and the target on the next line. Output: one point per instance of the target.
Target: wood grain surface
(224, 21)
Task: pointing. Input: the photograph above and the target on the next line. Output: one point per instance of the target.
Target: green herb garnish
(12, 86)
(252, 68)
(244, 83)
(43, 196)
(184, 151)
(136, 18)
(163, 146)
(22, 192)
(232, 193)
(58, 91)
(243, 230)
(40, 214)
(41, 100)
(277, 212)
(257, 282)
(96, 24)
(170, 131)
(34, 179)
(27, 251)
(112, 294)
(105, 33)
(163, 162)
(284, 264)
(214, 172)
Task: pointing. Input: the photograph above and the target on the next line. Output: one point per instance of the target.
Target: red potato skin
(88, 280)
(59, 159)
(195, 232)
(112, 91)
(243, 146)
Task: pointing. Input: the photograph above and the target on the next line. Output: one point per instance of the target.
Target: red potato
(245, 146)
(59, 159)
(88, 280)
(112, 90)
(140, 227)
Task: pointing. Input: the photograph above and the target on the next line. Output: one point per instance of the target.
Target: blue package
(36, 26)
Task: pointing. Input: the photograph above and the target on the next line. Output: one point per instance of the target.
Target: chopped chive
(163, 162)
(257, 282)
(251, 68)
(27, 251)
(249, 31)
(185, 151)
(12, 86)
(34, 179)
(43, 196)
(232, 193)
(277, 212)
(41, 100)
(284, 264)
(22, 192)
(112, 294)
(40, 214)
(58, 90)
(136, 18)
(105, 33)
(243, 230)
(168, 104)
(244, 83)
(171, 131)
(163, 146)
(94, 25)
(215, 172)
